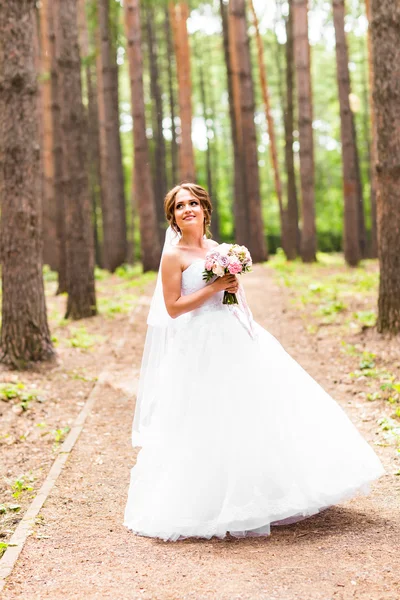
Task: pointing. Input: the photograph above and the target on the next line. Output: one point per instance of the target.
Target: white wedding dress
(241, 437)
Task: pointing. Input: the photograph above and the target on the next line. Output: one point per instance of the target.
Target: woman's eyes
(193, 202)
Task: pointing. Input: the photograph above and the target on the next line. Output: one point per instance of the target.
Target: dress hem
(252, 527)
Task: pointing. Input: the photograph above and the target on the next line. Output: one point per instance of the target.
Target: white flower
(219, 271)
(224, 249)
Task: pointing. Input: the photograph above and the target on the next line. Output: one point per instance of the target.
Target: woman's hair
(198, 192)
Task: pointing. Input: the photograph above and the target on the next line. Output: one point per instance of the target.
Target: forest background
(211, 127)
(283, 111)
(293, 127)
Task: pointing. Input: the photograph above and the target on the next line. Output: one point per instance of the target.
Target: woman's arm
(175, 303)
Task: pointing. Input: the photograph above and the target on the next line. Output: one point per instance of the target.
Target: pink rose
(209, 264)
(235, 267)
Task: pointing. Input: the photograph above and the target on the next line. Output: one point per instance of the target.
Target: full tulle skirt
(242, 438)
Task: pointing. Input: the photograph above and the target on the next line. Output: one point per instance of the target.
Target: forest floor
(324, 316)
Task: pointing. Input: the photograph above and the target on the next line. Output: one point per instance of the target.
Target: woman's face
(188, 211)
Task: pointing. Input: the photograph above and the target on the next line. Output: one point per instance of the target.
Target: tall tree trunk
(208, 166)
(366, 128)
(213, 155)
(160, 173)
(385, 31)
(114, 221)
(304, 94)
(150, 246)
(292, 212)
(179, 14)
(270, 123)
(362, 232)
(278, 52)
(350, 190)
(25, 335)
(239, 206)
(93, 128)
(374, 142)
(172, 100)
(79, 239)
(257, 240)
(57, 153)
(49, 206)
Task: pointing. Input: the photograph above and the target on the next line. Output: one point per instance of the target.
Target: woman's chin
(190, 224)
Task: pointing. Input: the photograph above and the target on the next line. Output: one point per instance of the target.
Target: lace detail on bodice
(192, 281)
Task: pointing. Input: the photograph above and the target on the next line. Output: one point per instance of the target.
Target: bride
(235, 436)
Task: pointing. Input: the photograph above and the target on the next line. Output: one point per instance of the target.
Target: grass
(389, 385)
(391, 431)
(17, 391)
(81, 338)
(329, 292)
(21, 485)
(328, 288)
(60, 434)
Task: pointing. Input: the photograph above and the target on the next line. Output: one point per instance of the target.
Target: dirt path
(80, 548)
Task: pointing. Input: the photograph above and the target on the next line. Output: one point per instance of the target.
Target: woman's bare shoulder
(172, 256)
(171, 261)
(212, 243)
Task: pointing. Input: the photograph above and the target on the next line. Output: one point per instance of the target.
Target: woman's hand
(227, 283)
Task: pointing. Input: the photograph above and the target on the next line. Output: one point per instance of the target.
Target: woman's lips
(189, 217)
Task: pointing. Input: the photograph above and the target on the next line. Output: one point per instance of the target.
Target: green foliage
(100, 274)
(3, 548)
(21, 485)
(110, 307)
(366, 317)
(18, 391)
(328, 286)
(48, 274)
(60, 434)
(126, 271)
(367, 360)
(81, 338)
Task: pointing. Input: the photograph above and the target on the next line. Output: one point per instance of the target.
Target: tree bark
(385, 32)
(257, 240)
(350, 189)
(362, 233)
(25, 335)
(374, 140)
(113, 209)
(172, 100)
(213, 155)
(304, 95)
(292, 212)
(78, 231)
(95, 185)
(57, 153)
(49, 206)
(150, 246)
(263, 72)
(366, 133)
(208, 163)
(239, 204)
(179, 14)
(160, 173)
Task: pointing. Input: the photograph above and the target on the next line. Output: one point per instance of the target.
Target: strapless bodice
(192, 281)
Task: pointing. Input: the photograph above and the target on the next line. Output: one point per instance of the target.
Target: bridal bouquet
(227, 259)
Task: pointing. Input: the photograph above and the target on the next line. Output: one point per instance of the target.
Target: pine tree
(150, 247)
(25, 335)
(385, 31)
(302, 55)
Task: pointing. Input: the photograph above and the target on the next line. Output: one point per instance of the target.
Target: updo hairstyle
(198, 192)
